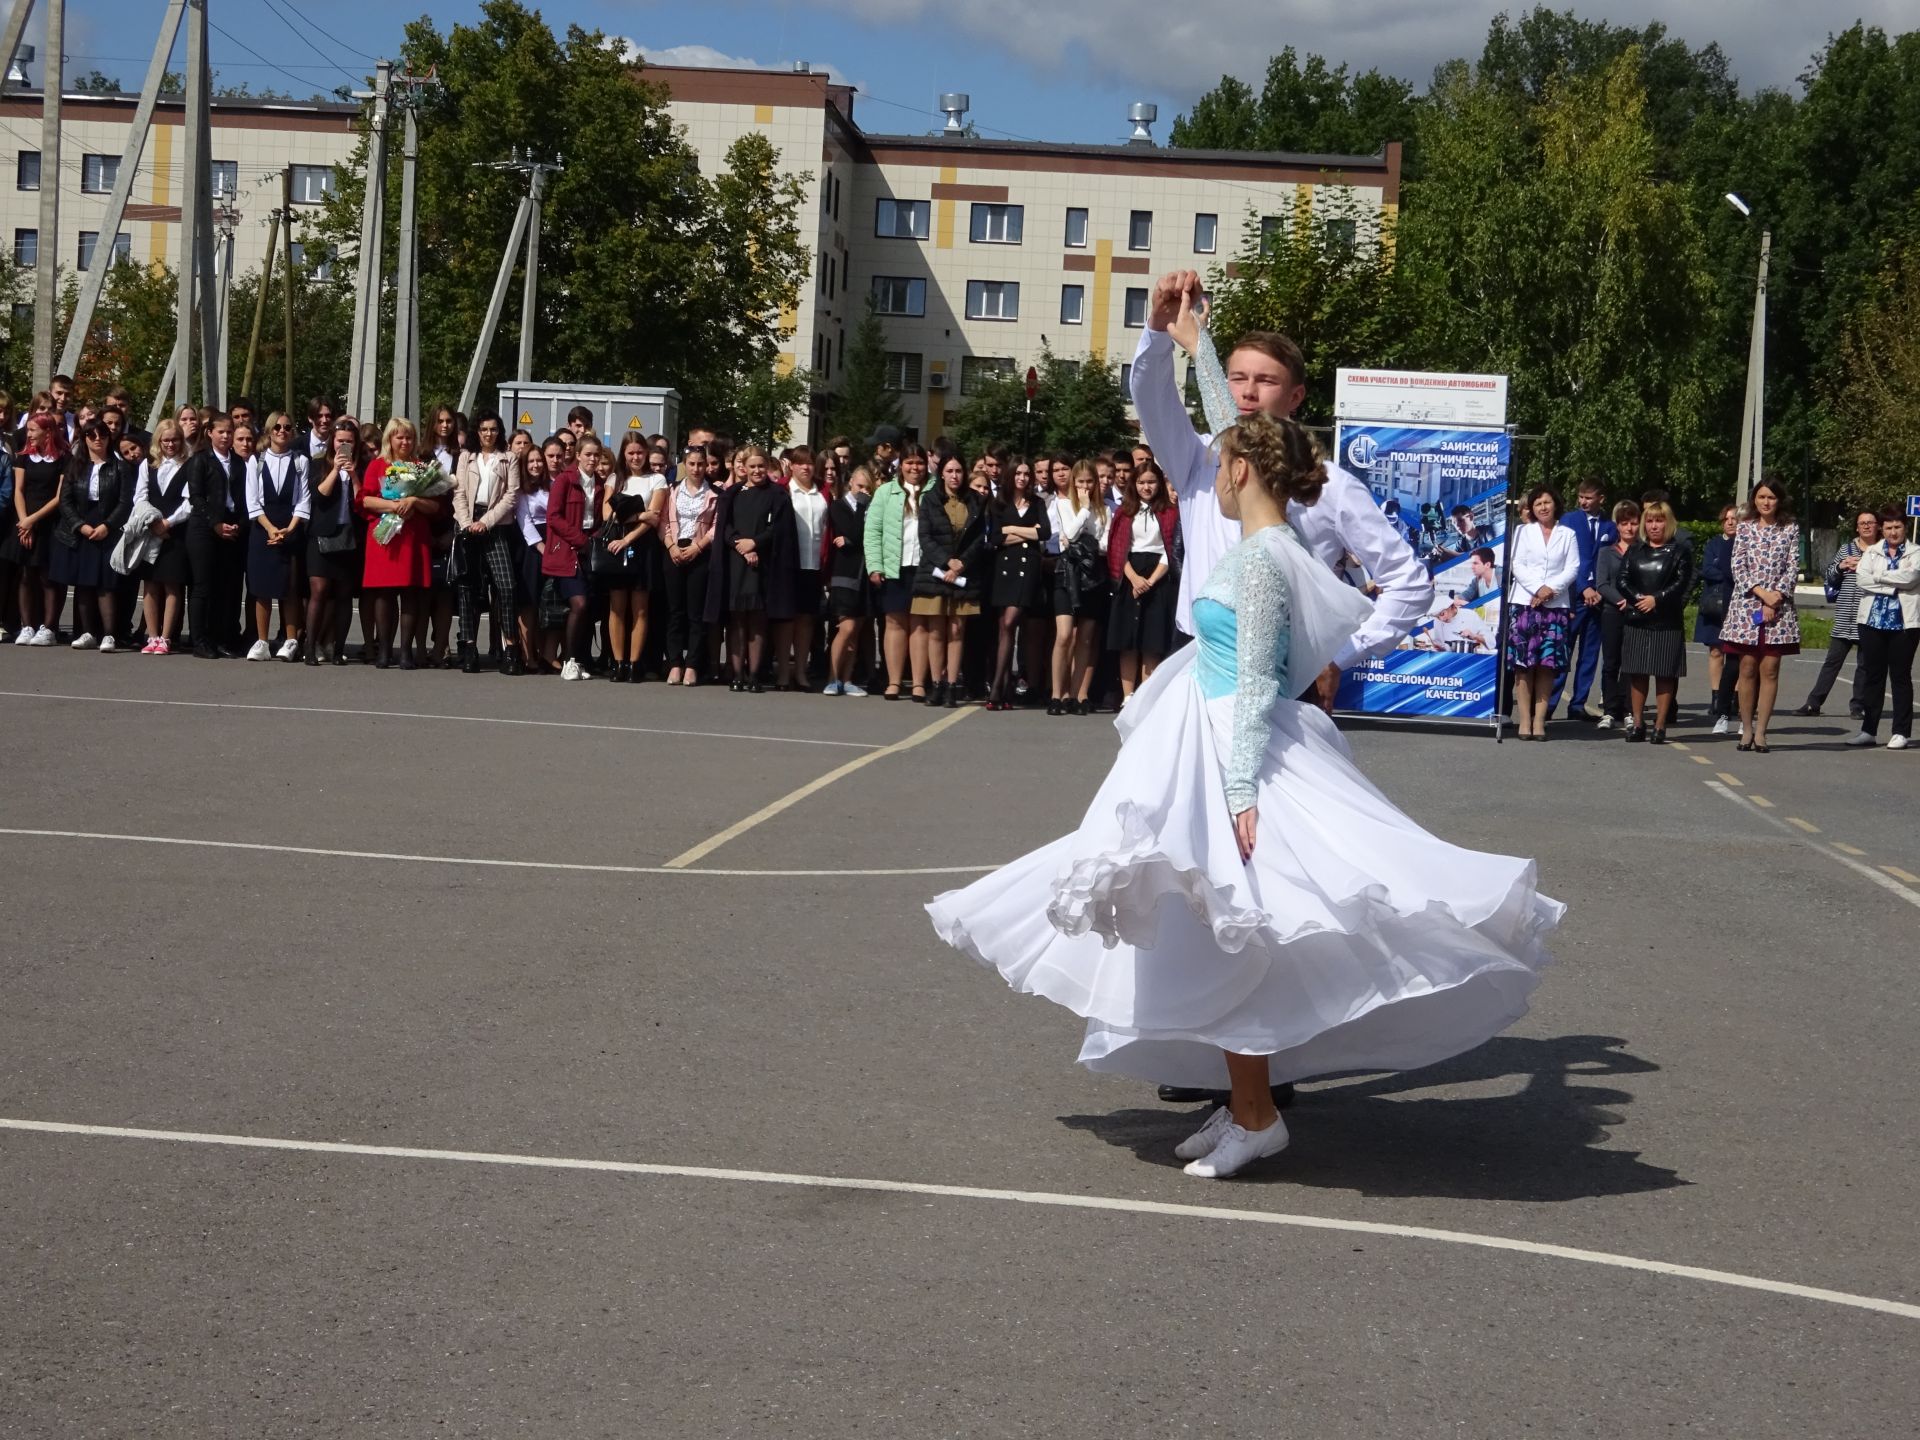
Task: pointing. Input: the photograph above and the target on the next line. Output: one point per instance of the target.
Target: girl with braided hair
(1239, 905)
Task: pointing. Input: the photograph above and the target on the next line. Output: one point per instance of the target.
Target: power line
(356, 79)
(261, 58)
(333, 39)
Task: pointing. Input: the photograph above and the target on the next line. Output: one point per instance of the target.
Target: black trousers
(1886, 656)
(686, 587)
(1613, 690)
(1837, 651)
(219, 576)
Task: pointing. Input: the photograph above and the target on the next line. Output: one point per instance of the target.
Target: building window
(840, 345)
(226, 179)
(898, 295)
(993, 300)
(1206, 234)
(27, 170)
(977, 370)
(1140, 230)
(1076, 229)
(1341, 236)
(312, 184)
(1136, 312)
(1073, 304)
(22, 313)
(26, 247)
(1269, 234)
(998, 224)
(1126, 381)
(98, 172)
(833, 277)
(902, 219)
(902, 372)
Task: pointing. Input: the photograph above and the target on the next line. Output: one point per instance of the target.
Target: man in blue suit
(1595, 532)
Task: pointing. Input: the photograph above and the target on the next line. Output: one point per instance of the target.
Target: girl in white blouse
(164, 487)
(1080, 587)
(1543, 566)
(793, 639)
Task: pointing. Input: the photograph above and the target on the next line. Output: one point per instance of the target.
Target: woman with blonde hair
(398, 572)
(1080, 587)
(164, 487)
(1654, 578)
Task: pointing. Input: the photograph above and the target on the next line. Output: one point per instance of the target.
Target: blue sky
(1042, 69)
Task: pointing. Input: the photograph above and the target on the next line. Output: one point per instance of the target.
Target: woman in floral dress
(1762, 623)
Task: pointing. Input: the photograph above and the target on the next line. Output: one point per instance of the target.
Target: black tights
(411, 605)
(579, 630)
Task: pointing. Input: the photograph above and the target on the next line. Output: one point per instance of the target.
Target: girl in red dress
(398, 572)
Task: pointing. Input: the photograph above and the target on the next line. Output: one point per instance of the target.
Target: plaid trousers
(492, 571)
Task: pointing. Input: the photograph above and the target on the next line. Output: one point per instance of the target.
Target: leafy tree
(863, 400)
(94, 83)
(1078, 409)
(1309, 107)
(650, 272)
(1871, 429)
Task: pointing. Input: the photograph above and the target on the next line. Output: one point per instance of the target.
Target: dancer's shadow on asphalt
(1537, 1144)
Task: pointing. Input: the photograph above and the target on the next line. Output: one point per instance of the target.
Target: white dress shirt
(1344, 518)
(810, 521)
(1551, 560)
(257, 468)
(531, 511)
(1146, 538)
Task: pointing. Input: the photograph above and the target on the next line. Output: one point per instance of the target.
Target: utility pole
(363, 366)
(47, 257)
(406, 301)
(225, 221)
(142, 126)
(190, 169)
(260, 302)
(1753, 410)
(526, 227)
(286, 284)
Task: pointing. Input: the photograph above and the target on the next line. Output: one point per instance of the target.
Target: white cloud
(705, 57)
(1183, 49)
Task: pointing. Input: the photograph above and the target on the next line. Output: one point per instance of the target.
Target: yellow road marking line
(1899, 874)
(1678, 746)
(1700, 760)
(1846, 849)
(1807, 826)
(1761, 801)
(1732, 780)
(788, 801)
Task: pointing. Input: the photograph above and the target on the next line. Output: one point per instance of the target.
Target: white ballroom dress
(1352, 941)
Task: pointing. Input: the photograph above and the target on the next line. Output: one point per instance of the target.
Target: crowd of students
(917, 573)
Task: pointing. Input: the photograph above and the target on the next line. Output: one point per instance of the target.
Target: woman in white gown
(1239, 903)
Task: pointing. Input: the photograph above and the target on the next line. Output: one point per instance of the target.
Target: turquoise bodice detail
(1243, 624)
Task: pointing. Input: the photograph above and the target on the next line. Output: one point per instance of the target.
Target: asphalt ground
(630, 1146)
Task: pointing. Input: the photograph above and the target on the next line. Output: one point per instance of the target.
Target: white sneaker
(1897, 742)
(108, 644)
(290, 650)
(572, 671)
(1722, 726)
(260, 650)
(85, 641)
(849, 688)
(1606, 722)
(1239, 1148)
(1861, 740)
(833, 687)
(1202, 1141)
(25, 637)
(44, 636)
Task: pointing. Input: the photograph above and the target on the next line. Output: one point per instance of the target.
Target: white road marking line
(794, 797)
(1700, 759)
(420, 715)
(1676, 745)
(474, 860)
(974, 1192)
(1806, 825)
(1832, 852)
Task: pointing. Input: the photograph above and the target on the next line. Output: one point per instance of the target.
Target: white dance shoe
(1202, 1141)
(1239, 1148)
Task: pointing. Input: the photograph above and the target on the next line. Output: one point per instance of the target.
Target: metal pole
(495, 305)
(530, 289)
(260, 303)
(405, 346)
(1753, 410)
(96, 276)
(366, 302)
(202, 196)
(189, 210)
(224, 266)
(286, 283)
(47, 259)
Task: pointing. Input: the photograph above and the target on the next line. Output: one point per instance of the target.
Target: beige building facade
(253, 142)
(980, 252)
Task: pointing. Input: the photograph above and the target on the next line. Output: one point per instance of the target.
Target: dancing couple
(1240, 906)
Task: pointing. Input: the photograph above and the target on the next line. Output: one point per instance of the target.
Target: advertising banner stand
(1436, 452)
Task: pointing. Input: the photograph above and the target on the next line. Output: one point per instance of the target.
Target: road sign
(1913, 505)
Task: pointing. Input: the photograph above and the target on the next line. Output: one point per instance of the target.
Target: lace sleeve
(1263, 611)
(1216, 397)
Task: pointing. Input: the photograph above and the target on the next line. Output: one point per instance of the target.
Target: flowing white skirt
(1352, 941)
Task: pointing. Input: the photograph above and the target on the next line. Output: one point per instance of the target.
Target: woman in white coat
(1543, 566)
(1889, 580)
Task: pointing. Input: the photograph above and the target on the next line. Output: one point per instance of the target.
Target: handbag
(460, 560)
(603, 563)
(1714, 600)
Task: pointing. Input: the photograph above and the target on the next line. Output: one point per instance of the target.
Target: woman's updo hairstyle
(1282, 454)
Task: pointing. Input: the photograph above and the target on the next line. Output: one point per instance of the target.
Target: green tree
(1078, 409)
(862, 400)
(1310, 106)
(650, 272)
(1871, 424)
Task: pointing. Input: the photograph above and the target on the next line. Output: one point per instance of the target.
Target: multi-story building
(980, 252)
(253, 142)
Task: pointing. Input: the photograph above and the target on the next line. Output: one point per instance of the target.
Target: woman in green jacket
(892, 542)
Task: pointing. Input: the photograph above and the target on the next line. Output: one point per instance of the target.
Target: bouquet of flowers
(404, 478)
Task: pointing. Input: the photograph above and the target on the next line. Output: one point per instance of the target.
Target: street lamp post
(1753, 408)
